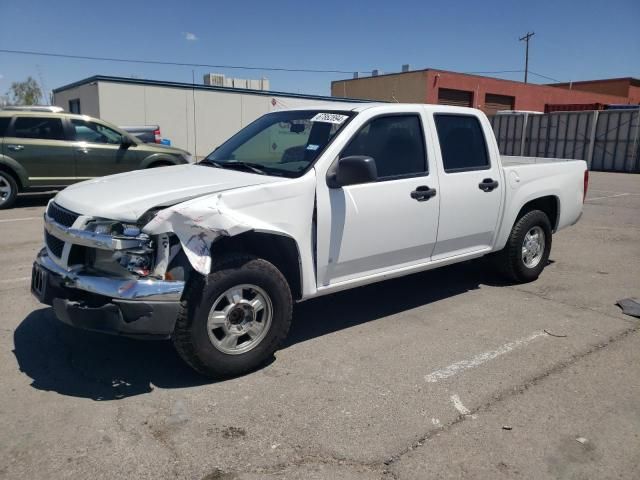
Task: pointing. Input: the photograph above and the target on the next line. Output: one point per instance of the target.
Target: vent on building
(406, 67)
(219, 80)
(376, 72)
(214, 79)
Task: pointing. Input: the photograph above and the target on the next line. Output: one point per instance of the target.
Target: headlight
(109, 227)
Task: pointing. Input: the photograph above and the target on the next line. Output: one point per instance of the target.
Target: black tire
(510, 262)
(7, 199)
(191, 336)
(160, 164)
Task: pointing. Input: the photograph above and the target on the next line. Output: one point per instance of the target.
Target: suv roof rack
(35, 108)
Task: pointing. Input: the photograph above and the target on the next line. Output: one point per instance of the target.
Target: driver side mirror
(127, 142)
(352, 170)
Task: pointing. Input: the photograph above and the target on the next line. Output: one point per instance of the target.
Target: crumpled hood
(126, 196)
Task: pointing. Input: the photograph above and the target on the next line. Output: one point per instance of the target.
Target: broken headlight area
(138, 261)
(108, 227)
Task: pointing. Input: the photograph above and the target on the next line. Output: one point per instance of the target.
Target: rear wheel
(234, 319)
(8, 190)
(527, 250)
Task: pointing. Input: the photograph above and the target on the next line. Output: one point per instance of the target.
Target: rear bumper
(140, 308)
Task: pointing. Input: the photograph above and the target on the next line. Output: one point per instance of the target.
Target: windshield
(280, 143)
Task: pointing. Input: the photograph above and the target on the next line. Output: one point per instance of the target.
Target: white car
(300, 203)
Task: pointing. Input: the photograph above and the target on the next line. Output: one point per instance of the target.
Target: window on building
(462, 143)
(44, 128)
(74, 106)
(4, 124)
(396, 143)
(494, 103)
(94, 133)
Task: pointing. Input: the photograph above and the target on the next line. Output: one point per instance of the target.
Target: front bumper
(135, 307)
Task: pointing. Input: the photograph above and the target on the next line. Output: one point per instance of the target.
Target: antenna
(526, 57)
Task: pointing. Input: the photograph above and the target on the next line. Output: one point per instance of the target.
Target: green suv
(42, 150)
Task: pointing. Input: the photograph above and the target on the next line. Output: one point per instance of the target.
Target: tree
(25, 93)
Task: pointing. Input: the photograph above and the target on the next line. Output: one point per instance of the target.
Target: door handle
(82, 150)
(15, 148)
(488, 184)
(423, 193)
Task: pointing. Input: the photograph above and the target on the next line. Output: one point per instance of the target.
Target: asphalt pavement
(445, 374)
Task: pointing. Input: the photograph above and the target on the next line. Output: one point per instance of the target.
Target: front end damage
(109, 276)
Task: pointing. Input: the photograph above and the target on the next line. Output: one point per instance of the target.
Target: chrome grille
(61, 215)
(54, 244)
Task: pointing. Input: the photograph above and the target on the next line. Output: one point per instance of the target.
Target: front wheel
(233, 320)
(8, 190)
(527, 251)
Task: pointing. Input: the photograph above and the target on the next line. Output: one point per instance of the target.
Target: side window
(94, 133)
(38, 127)
(74, 106)
(4, 124)
(396, 143)
(462, 143)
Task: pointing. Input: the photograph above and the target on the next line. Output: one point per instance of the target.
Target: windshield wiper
(252, 167)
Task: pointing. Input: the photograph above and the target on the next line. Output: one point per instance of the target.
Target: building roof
(191, 86)
(632, 81)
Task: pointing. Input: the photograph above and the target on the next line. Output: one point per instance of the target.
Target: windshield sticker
(330, 118)
(313, 147)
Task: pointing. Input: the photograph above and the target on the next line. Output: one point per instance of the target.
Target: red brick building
(486, 93)
(622, 87)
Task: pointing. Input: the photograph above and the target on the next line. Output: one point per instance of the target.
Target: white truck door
(471, 186)
(378, 226)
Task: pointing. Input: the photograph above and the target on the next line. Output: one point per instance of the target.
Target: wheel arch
(549, 204)
(14, 169)
(158, 159)
(279, 249)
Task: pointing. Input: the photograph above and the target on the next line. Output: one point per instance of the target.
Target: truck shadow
(101, 367)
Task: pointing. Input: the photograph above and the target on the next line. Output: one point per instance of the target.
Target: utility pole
(526, 57)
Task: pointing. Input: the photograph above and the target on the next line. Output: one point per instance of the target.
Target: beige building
(197, 118)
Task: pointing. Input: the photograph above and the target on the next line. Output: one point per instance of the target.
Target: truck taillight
(156, 134)
(585, 186)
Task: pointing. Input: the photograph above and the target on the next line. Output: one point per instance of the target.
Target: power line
(177, 64)
(237, 67)
(544, 76)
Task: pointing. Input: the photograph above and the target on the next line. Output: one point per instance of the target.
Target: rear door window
(462, 143)
(44, 128)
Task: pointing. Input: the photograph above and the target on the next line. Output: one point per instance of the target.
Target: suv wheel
(8, 190)
(233, 320)
(527, 250)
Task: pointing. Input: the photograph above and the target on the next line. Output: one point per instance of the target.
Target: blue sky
(575, 40)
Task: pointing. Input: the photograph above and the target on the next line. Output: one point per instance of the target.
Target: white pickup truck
(300, 203)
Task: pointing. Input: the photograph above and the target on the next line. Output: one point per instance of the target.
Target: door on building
(40, 145)
(493, 103)
(470, 185)
(99, 150)
(457, 98)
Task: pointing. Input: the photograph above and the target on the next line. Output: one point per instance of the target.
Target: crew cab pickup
(300, 203)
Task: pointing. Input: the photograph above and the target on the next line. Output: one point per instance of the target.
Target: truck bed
(512, 160)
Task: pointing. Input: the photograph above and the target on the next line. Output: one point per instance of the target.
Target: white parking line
(19, 219)
(479, 359)
(459, 406)
(11, 280)
(608, 196)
